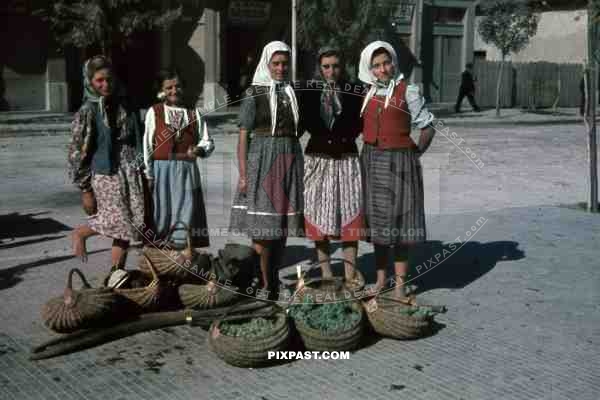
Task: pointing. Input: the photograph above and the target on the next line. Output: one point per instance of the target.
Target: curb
(492, 123)
(60, 129)
(32, 130)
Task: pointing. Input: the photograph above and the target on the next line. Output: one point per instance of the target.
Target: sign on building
(248, 13)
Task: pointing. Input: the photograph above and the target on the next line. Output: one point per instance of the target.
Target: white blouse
(205, 142)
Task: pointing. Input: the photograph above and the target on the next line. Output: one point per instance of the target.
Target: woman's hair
(97, 63)
(379, 51)
(287, 53)
(330, 53)
(167, 74)
(164, 75)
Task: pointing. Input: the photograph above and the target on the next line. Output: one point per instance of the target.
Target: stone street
(522, 291)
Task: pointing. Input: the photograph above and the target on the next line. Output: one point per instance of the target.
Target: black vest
(285, 125)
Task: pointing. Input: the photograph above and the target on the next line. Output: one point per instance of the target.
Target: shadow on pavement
(438, 265)
(10, 277)
(17, 225)
(11, 244)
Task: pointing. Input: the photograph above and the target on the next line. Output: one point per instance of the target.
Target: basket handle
(316, 264)
(155, 277)
(68, 294)
(235, 306)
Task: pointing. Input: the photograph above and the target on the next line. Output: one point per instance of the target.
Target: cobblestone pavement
(522, 291)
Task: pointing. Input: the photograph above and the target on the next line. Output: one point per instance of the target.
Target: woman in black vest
(332, 178)
(268, 206)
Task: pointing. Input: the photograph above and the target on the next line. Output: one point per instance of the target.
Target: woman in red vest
(175, 136)
(393, 179)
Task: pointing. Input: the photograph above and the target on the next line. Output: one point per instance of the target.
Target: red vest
(388, 128)
(166, 144)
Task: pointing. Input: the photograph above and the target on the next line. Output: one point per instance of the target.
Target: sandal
(117, 277)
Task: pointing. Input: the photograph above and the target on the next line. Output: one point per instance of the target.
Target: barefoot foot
(79, 249)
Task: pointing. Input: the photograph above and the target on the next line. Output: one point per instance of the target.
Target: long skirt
(178, 198)
(333, 198)
(393, 195)
(272, 207)
(120, 204)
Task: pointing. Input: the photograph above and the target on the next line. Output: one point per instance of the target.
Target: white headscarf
(262, 77)
(366, 75)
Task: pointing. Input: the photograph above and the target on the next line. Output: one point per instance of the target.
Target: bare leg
(400, 270)
(322, 247)
(381, 262)
(118, 253)
(263, 249)
(350, 250)
(79, 236)
(277, 255)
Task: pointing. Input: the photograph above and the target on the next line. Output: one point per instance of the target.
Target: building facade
(565, 45)
(215, 45)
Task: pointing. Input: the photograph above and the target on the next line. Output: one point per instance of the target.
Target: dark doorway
(240, 59)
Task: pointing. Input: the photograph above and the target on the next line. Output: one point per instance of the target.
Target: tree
(508, 25)
(106, 23)
(345, 24)
(590, 88)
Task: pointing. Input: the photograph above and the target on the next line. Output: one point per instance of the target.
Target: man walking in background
(467, 88)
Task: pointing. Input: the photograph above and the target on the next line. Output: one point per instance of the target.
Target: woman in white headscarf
(268, 206)
(393, 179)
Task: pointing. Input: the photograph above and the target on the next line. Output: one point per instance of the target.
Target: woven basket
(249, 352)
(175, 265)
(315, 339)
(81, 309)
(202, 297)
(325, 290)
(159, 295)
(387, 319)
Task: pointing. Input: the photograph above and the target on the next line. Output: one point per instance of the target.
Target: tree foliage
(345, 24)
(508, 24)
(106, 23)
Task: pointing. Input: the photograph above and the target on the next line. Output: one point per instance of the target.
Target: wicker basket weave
(325, 290)
(202, 297)
(249, 352)
(387, 317)
(81, 309)
(175, 265)
(159, 295)
(317, 340)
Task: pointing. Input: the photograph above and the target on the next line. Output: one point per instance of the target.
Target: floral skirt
(120, 202)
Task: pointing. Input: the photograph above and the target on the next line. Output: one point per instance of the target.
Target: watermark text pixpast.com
(308, 355)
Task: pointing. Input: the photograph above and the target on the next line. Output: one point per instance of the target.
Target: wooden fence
(529, 85)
